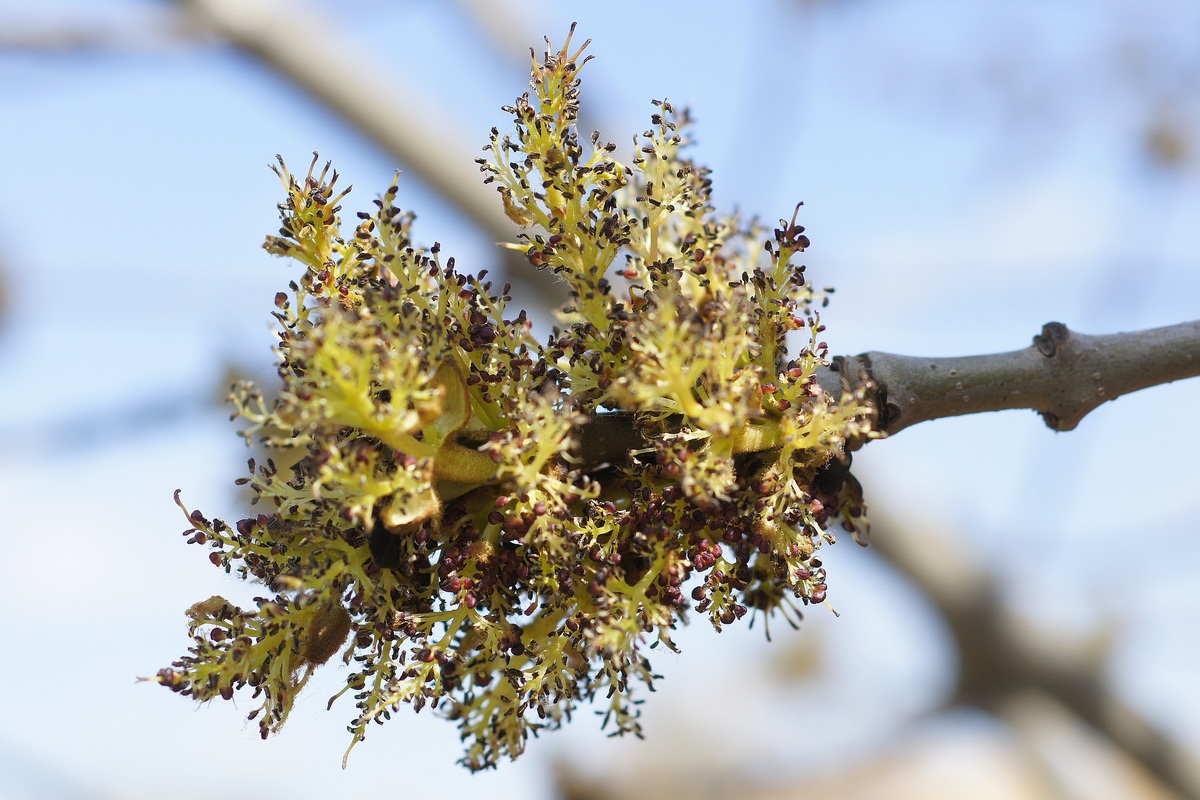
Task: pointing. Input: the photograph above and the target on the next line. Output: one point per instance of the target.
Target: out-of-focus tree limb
(1073, 759)
(289, 37)
(3, 295)
(412, 127)
(154, 31)
(497, 22)
(1000, 659)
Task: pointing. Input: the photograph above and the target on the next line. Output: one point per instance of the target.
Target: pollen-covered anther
(326, 633)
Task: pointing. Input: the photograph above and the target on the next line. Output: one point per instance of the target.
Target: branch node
(1053, 422)
(1052, 336)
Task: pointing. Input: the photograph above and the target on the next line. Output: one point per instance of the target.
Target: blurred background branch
(157, 30)
(1003, 660)
(419, 130)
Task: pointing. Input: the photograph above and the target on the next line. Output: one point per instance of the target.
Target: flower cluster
(501, 527)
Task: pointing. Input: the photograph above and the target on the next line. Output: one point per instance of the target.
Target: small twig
(1063, 375)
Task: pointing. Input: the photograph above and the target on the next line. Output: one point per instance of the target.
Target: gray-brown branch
(1063, 375)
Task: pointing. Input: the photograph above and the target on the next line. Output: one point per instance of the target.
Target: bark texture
(1063, 375)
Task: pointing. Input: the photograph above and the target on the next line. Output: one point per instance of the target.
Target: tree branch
(378, 102)
(1000, 659)
(1063, 375)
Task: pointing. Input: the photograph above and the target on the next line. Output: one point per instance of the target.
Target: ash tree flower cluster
(500, 527)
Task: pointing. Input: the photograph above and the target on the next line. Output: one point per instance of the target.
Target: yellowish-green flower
(502, 527)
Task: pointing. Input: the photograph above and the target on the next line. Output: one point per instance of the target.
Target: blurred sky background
(970, 171)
